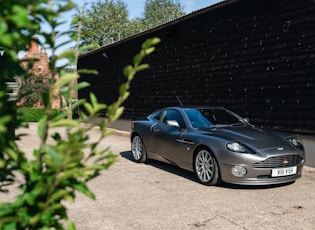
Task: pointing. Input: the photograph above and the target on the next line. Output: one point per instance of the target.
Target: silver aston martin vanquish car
(217, 145)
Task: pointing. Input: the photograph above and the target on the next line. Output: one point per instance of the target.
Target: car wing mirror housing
(246, 119)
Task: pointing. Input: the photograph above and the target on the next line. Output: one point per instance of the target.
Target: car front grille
(279, 162)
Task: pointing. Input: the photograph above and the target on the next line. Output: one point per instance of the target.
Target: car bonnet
(255, 138)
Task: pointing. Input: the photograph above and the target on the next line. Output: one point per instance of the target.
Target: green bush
(33, 114)
(59, 169)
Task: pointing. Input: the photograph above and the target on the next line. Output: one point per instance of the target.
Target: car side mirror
(172, 123)
(247, 121)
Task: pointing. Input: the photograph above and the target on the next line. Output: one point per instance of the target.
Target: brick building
(37, 65)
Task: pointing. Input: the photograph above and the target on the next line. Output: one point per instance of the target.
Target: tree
(108, 20)
(158, 12)
(135, 26)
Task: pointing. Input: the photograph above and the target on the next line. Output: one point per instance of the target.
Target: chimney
(33, 48)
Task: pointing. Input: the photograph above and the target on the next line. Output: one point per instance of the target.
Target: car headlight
(238, 147)
(296, 143)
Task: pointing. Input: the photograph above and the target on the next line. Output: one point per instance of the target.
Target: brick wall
(256, 58)
(35, 62)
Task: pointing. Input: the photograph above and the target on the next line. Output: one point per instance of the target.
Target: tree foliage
(65, 159)
(158, 12)
(108, 21)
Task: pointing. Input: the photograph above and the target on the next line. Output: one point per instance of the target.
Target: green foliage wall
(33, 114)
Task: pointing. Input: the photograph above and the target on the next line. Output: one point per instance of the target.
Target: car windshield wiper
(240, 123)
(218, 125)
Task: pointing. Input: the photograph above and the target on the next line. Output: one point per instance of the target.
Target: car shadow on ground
(163, 166)
(190, 175)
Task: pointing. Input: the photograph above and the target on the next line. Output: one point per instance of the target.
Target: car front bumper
(256, 176)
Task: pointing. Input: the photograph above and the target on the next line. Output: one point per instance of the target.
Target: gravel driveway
(159, 196)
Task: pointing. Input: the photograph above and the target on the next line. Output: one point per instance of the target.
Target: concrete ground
(159, 196)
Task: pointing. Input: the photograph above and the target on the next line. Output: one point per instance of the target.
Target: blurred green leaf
(66, 54)
(19, 16)
(81, 187)
(87, 71)
(128, 70)
(66, 79)
(142, 67)
(93, 99)
(55, 156)
(78, 103)
(88, 47)
(118, 113)
(71, 226)
(64, 123)
(42, 127)
(80, 85)
(149, 50)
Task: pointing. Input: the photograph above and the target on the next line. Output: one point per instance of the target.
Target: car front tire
(138, 149)
(206, 167)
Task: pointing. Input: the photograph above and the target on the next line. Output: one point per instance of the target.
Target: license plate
(284, 171)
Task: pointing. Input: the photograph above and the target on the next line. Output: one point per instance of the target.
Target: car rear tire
(138, 149)
(206, 167)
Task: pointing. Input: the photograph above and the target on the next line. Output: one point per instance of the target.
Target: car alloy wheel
(138, 149)
(206, 168)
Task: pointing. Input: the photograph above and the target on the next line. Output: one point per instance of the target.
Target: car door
(166, 134)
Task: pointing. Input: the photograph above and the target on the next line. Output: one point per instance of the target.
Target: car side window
(174, 115)
(157, 115)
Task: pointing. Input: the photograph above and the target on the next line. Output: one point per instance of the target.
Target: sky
(135, 9)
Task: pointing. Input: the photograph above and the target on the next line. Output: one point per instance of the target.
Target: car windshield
(202, 118)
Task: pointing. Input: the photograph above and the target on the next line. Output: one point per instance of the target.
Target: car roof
(195, 107)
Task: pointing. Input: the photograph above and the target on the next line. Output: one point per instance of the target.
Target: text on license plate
(284, 171)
